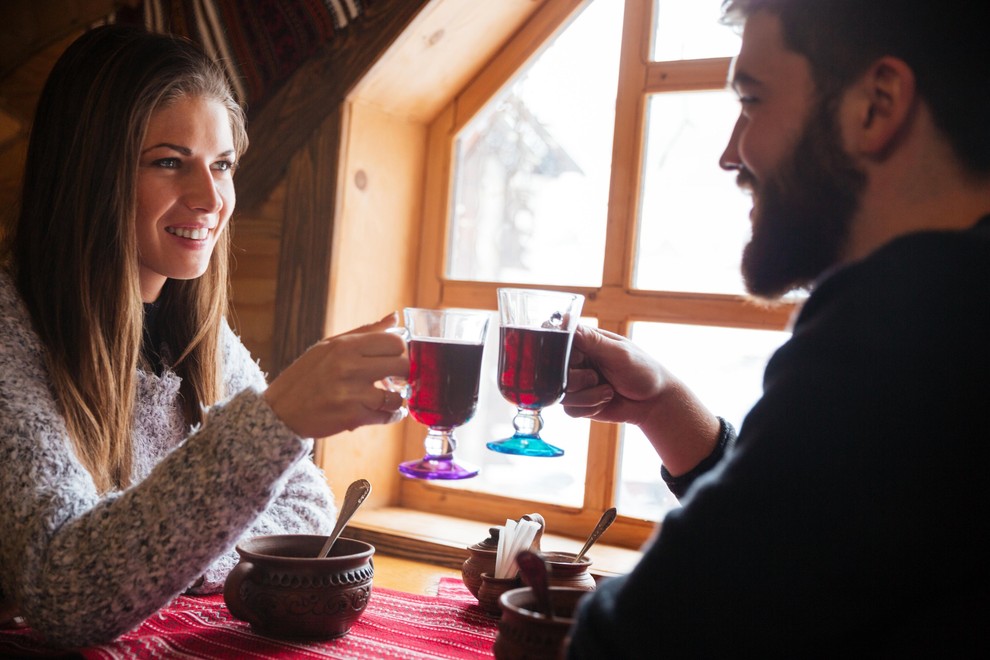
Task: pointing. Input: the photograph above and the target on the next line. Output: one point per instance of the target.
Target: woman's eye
(223, 165)
(168, 163)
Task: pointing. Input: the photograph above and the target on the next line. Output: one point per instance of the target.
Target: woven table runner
(394, 625)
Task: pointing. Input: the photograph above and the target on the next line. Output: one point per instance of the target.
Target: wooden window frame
(616, 303)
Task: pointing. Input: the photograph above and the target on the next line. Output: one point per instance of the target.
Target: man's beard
(802, 213)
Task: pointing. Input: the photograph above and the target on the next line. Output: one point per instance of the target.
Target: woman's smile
(192, 233)
(185, 190)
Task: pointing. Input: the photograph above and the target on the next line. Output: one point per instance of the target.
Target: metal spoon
(603, 523)
(534, 574)
(355, 495)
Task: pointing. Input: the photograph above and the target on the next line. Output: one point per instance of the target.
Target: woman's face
(185, 190)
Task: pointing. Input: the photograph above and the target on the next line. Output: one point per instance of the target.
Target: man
(846, 515)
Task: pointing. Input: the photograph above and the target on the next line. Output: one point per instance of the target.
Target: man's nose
(730, 160)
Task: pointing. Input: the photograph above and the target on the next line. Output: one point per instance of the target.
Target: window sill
(444, 540)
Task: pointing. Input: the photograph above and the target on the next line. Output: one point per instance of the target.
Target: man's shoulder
(922, 266)
(925, 291)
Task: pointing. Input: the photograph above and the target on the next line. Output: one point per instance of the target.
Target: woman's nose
(202, 193)
(730, 160)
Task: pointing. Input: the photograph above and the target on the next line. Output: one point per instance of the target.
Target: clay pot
(563, 572)
(526, 634)
(483, 554)
(282, 589)
(480, 560)
(492, 588)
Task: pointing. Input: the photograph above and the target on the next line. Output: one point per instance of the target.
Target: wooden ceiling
(33, 33)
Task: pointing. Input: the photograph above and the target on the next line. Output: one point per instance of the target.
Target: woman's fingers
(336, 384)
(388, 321)
(383, 400)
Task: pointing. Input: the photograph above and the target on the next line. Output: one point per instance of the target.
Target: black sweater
(846, 518)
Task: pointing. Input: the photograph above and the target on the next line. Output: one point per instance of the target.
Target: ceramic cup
(524, 633)
(491, 590)
(282, 589)
(481, 559)
(564, 572)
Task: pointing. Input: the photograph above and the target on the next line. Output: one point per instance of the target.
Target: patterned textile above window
(261, 42)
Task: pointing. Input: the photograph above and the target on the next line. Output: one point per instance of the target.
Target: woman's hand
(334, 386)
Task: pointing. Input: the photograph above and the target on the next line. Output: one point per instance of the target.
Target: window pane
(723, 366)
(553, 480)
(531, 171)
(694, 221)
(690, 29)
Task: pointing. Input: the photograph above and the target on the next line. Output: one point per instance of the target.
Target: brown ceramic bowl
(564, 572)
(282, 589)
(525, 633)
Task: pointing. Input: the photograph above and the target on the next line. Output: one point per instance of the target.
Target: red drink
(532, 366)
(443, 380)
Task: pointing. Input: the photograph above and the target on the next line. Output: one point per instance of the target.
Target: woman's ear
(883, 103)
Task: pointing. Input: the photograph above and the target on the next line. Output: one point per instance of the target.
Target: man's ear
(883, 105)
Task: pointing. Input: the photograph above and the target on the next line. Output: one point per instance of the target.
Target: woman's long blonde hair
(73, 248)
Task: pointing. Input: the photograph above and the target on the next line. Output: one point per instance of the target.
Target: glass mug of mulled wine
(535, 335)
(445, 350)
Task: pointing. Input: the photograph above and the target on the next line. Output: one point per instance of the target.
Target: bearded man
(844, 515)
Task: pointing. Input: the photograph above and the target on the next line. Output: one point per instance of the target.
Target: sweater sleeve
(303, 504)
(85, 567)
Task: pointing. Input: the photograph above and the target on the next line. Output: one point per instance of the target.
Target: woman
(138, 438)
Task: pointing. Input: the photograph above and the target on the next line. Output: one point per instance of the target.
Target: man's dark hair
(939, 39)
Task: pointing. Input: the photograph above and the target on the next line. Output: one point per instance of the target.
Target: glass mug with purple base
(445, 350)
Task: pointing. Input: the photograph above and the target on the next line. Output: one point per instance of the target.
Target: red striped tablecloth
(449, 625)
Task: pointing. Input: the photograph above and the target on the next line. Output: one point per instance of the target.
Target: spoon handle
(533, 568)
(603, 523)
(355, 495)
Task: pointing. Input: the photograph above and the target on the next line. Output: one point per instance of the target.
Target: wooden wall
(282, 242)
(257, 235)
(310, 242)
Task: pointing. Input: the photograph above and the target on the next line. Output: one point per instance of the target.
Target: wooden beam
(296, 135)
(30, 27)
(283, 125)
(303, 277)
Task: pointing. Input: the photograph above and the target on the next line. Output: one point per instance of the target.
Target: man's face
(788, 152)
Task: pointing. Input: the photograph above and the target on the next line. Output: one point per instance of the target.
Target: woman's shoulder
(24, 381)
(9, 298)
(240, 370)
(17, 337)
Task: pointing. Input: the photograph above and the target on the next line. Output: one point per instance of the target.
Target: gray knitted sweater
(85, 568)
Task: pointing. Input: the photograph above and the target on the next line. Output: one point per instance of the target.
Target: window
(583, 168)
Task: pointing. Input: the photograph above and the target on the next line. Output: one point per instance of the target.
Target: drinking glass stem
(440, 442)
(527, 422)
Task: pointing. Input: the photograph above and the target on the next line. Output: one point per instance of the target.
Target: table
(410, 576)
(396, 624)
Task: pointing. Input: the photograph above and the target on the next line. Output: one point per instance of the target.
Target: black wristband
(679, 485)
